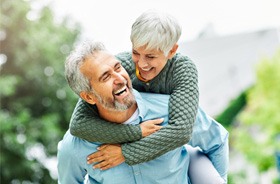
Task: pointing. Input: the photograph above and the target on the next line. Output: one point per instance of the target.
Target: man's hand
(107, 156)
(150, 126)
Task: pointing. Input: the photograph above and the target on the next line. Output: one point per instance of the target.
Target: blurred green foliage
(258, 133)
(36, 103)
(227, 117)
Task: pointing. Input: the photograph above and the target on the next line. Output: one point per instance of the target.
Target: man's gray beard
(115, 105)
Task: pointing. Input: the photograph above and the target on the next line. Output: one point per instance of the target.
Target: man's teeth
(120, 91)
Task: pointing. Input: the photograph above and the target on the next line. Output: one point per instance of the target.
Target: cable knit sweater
(179, 79)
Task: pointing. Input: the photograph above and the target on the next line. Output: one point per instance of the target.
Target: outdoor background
(235, 44)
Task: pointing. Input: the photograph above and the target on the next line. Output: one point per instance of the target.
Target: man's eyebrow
(117, 64)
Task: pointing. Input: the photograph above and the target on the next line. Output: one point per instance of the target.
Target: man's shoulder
(67, 143)
(70, 142)
(154, 97)
(153, 105)
(147, 97)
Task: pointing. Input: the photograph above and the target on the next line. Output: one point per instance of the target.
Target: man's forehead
(104, 63)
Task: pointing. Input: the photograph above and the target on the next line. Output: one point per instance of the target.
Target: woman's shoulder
(182, 62)
(126, 55)
(178, 57)
(126, 61)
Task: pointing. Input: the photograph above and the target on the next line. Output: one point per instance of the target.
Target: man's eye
(118, 68)
(106, 77)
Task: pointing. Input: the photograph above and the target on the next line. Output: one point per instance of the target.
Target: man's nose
(118, 78)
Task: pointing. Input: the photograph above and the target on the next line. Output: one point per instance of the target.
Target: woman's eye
(150, 57)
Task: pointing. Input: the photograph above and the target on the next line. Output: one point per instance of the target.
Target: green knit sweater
(179, 79)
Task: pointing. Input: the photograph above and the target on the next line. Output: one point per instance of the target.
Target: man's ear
(172, 52)
(89, 98)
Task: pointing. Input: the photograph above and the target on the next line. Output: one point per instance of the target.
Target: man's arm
(69, 169)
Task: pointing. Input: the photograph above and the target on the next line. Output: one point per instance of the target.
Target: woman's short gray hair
(155, 30)
(76, 80)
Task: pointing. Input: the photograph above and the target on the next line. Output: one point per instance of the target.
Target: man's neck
(117, 116)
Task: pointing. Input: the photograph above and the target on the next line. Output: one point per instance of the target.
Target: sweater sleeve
(183, 106)
(86, 124)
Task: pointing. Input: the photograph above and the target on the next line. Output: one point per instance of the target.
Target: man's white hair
(76, 80)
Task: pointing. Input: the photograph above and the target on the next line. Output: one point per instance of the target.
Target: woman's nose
(142, 62)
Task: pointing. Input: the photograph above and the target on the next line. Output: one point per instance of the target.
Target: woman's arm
(86, 124)
(183, 106)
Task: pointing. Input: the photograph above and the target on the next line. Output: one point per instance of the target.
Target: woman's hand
(150, 126)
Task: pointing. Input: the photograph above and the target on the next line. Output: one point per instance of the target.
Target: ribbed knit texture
(178, 78)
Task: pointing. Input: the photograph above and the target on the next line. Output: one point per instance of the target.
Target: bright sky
(109, 21)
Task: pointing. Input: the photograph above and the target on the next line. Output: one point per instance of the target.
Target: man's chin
(125, 103)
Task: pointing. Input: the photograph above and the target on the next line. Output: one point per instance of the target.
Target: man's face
(110, 81)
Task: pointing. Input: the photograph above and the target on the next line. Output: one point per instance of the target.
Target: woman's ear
(89, 98)
(172, 52)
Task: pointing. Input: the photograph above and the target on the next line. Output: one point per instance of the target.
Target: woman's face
(149, 62)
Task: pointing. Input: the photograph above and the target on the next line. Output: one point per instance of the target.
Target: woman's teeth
(146, 69)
